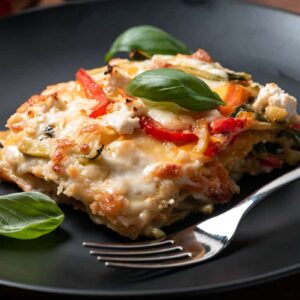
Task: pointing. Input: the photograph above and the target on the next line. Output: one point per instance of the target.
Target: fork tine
(144, 259)
(136, 252)
(179, 263)
(128, 245)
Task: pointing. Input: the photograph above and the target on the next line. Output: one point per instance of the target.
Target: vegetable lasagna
(119, 143)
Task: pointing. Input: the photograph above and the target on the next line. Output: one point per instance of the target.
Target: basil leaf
(28, 215)
(146, 39)
(171, 85)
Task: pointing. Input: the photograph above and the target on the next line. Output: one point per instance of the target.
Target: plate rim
(196, 290)
(206, 289)
(76, 2)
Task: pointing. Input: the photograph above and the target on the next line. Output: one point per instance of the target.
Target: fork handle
(252, 200)
(233, 216)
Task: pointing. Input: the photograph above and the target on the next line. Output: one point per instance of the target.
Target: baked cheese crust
(128, 180)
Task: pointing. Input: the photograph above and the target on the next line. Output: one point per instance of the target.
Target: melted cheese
(123, 120)
(171, 120)
(137, 183)
(212, 68)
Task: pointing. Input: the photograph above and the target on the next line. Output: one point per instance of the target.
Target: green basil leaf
(146, 39)
(28, 215)
(171, 85)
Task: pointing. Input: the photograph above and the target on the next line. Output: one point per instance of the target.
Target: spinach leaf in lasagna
(28, 215)
(144, 41)
(171, 85)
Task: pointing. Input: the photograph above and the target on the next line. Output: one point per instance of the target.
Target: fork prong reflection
(128, 245)
(144, 259)
(135, 252)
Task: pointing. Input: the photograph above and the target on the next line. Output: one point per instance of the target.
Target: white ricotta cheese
(123, 119)
(272, 95)
(120, 79)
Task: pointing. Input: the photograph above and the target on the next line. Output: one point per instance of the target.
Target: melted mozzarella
(126, 164)
(212, 68)
(212, 115)
(170, 120)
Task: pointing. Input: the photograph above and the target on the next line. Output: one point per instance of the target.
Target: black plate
(48, 46)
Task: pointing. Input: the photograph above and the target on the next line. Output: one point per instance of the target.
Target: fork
(189, 246)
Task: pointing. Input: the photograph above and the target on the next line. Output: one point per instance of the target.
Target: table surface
(287, 288)
(17, 5)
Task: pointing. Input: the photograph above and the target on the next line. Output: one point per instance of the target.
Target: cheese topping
(123, 119)
(272, 95)
(170, 120)
(128, 178)
(212, 68)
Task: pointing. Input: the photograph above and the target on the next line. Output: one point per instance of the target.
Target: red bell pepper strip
(212, 149)
(229, 125)
(295, 126)
(156, 130)
(93, 91)
(272, 161)
(201, 54)
(224, 126)
(98, 110)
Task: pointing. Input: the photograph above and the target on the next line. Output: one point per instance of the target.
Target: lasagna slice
(136, 165)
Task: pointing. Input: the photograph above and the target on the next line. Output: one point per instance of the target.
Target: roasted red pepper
(156, 130)
(227, 126)
(212, 149)
(272, 161)
(231, 126)
(295, 126)
(201, 54)
(93, 91)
